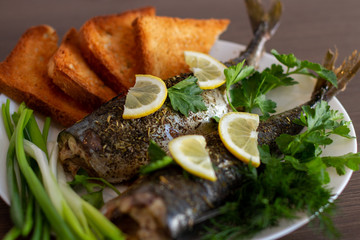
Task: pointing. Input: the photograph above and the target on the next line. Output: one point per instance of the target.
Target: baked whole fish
(165, 204)
(107, 146)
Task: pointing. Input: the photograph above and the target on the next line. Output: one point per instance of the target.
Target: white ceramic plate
(294, 96)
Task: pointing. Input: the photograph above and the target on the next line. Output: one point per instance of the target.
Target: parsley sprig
(295, 66)
(303, 150)
(235, 74)
(251, 91)
(293, 182)
(94, 187)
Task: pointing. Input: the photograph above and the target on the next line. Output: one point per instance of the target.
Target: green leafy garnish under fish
(94, 188)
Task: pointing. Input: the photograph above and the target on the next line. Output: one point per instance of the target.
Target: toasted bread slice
(163, 40)
(70, 72)
(23, 77)
(108, 44)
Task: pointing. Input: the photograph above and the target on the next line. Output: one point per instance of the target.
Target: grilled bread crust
(70, 72)
(108, 44)
(162, 41)
(23, 77)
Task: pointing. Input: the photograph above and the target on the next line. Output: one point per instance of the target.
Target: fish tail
(264, 25)
(258, 15)
(324, 90)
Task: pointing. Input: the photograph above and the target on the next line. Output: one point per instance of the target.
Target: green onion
(86, 211)
(54, 192)
(13, 234)
(16, 210)
(58, 224)
(41, 199)
(46, 128)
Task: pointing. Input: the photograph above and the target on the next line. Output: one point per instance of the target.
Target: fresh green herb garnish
(158, 159)
(216, 119)
(293, 182)
(251, 93)
(94, 187)
(295, 66)
(303, 150)
(185, 96)
(253, 86)
(235, 74)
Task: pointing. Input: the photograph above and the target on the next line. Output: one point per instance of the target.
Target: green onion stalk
(41, 199)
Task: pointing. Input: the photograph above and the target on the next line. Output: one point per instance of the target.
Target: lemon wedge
(208, 70)
(237, 131)
(145, 97)
(190, 153)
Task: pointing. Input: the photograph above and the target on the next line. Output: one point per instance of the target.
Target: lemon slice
(190, 153)
(146, 97)
(208, 70)
(237, 131)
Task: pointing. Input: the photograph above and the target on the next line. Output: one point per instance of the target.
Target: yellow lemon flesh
(147, 96)
(237, 131)
(190, 153)
(208, 70)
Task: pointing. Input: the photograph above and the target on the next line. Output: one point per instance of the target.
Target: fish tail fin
(264, 25)
(258, 15)
(344, 73)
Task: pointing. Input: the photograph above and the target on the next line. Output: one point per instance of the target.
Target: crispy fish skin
(110, 147)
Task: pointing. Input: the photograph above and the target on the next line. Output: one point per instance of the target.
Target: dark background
(308, 29)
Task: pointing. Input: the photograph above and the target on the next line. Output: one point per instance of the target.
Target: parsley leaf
(248, 88)
(158, 159)
(251, 93)
(305, 149)
(302, 67)
(235, 74)
(350, 160)
(321, 122)
(185, 96)
(94, 188)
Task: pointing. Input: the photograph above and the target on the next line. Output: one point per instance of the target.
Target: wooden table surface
(308, 28)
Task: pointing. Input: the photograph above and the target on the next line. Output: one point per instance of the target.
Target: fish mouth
(140, 216)
(68, 149)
